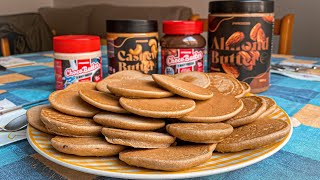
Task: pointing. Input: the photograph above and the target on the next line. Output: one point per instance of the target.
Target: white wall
(22, 6)
(306, 27)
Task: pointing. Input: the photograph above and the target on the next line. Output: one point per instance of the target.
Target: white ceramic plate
(113, 167)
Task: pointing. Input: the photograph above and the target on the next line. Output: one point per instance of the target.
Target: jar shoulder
(183, 41)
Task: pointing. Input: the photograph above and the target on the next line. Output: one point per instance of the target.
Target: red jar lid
(76, 44)
(182, 27)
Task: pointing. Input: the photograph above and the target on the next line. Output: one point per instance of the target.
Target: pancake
(129, 122)
(257, 134)
(33, 117)
(129, 74)
(174, 158)
(85, 146)
(86, 85)
(253, 107)
(271, 106)
(172, 107)
(200, 132)
(66, 125)
(102, 100)
(246, 87)
(197, 78)
(182, 88)
(225, 84)
(137, 139)
(218, 108)
(137, 88)
(69, 102)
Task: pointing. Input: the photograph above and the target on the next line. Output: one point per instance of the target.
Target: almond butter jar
(240, 40)
(132, 45)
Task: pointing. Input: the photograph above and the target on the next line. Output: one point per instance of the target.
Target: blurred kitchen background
(306, 36)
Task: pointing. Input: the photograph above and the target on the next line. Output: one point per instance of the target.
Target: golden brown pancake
(69, 102)
(85, 146)
(137, 88)
(129, 74)
(197, 78)
(182, 88)
(200, 132)
(271, 106)
(66, 125)
(254, 135)
(218, 108)
(246, 87)
(253, 107)
(33, 117)
(102, 100)
(171, 107)
(129, 122)
(138, 139)
(225, 84)
(174, 158)
(87, 85)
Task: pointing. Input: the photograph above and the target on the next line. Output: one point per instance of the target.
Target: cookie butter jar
(76, 58)
(132, 45)
(182, 47)
(240, 40)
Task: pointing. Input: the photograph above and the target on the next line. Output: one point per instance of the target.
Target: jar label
(70, 71)
(176, 61)
(133, 53)
(241, 46)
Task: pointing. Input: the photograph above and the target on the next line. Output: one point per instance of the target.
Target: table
(299, 159)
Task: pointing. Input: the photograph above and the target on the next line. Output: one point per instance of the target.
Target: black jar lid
(132, 26)
(247, 6)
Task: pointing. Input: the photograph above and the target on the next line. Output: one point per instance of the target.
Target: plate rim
(165, 176)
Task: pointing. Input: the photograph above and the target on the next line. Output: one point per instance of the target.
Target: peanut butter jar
(240, 40)
(132, 45)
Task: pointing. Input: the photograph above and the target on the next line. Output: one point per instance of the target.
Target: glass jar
(182, 47)
(240, 40)
(132, 45)
(77, 58)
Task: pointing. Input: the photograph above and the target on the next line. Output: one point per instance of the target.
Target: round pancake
(200, 132)
(254, 135)
(66, 125)
(172, 107)
(102, 100)
(197, 78)
(129, 74)
(182, 88)
(85, 146)
(174, 158)
(33, 117)
(219, 108)
(271, 106)
(246, 87)
(225, 84)
(69, 102)
(87, 85)
(138, 139)
(253, 107)
(129, 122)
(137, 88)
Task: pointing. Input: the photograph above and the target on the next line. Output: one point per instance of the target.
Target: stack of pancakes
(157, 121)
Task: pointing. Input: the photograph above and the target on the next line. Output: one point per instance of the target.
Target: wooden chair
(282, 27)
(5, 47)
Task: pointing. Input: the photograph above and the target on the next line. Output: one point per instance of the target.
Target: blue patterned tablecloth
(299, 159)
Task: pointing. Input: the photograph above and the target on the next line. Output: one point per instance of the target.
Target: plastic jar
(77, 58)
(132, 45)
(240, 40)
(182, 47)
